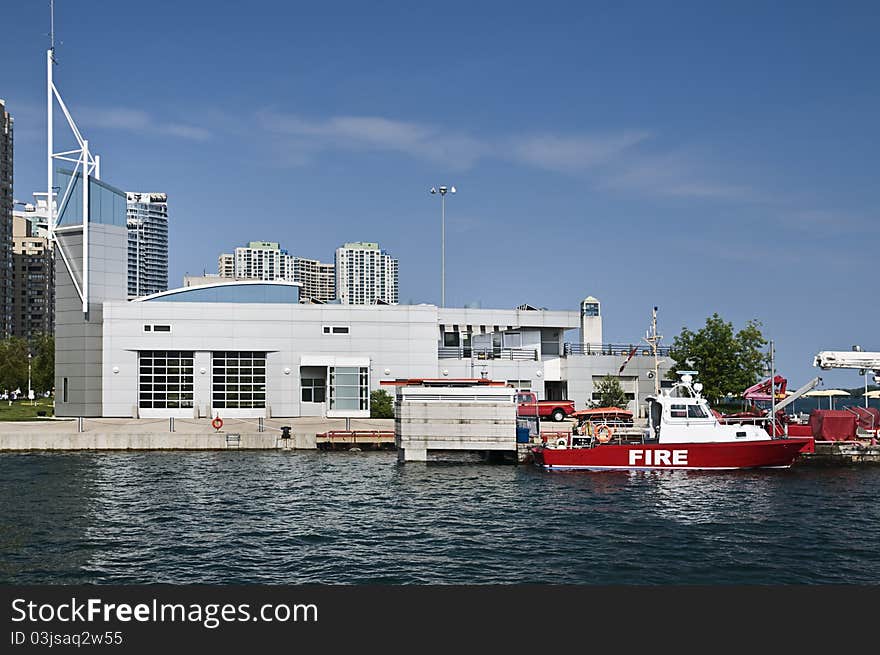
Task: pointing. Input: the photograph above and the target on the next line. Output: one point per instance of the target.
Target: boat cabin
(681, 414)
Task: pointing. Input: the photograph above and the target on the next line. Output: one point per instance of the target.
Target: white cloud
(139, 121)
(622, 160)
(573, 153)
(376, 133)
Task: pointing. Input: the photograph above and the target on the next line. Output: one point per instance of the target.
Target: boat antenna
(652, 340)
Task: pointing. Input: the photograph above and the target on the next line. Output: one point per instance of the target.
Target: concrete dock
(187, 434)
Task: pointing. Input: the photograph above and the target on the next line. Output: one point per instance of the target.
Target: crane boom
(865, 361)
(809, 386)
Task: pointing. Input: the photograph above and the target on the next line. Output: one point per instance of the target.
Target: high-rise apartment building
(226, 265)
(267, 260)
(317, 278)
(147, 221)
(34, 276)
(366, 275)
(262, 260)
(6, 262)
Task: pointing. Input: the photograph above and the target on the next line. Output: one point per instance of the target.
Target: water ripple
(339, 518)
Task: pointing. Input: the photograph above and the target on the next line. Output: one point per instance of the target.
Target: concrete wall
(399, 342)
(583, 372)
(453, 422)
(79, 336)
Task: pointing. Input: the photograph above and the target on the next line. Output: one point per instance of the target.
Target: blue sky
(700, 157)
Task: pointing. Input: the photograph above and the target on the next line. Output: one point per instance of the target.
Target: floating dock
(355, 439)
(841, 453)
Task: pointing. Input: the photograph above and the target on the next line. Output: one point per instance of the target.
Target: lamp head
(443, 191)
(451, 189)
(433, 190)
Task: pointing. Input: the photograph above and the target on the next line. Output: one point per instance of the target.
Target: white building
(147, 222)
(251, 349)
(366, 275)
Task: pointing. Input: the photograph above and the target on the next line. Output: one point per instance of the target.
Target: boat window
(697, 411)
(678, 411)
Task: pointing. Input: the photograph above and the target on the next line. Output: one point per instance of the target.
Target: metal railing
(510, 354)
(612, 349)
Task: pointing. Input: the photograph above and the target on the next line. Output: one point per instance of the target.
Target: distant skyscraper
(147, 220)
(366, 275)
(317, 278)
(226, 265)
(267, 260)
(262, 260)
(6, 281)
(33, 264)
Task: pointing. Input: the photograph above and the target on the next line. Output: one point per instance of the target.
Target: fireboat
(682, 433)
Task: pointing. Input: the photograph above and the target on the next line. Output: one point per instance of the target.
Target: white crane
(857, 359)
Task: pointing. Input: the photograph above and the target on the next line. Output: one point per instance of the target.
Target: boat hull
(772, 453)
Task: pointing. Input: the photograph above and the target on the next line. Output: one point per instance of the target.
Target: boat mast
(653, 339)
(772, 392)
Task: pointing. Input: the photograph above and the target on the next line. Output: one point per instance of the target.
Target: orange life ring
(603, 433)
(217, 423)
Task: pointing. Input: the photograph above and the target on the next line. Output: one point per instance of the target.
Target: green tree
(43, 363)
(611, 394)
(726, 361)
(13, 364)
(381, 404)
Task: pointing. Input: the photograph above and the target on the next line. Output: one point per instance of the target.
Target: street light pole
(30, 390)
(442, 191)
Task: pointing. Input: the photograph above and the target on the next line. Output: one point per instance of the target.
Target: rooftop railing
(612, 349)
(466, 352)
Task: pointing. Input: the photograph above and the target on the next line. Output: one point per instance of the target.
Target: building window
(336, 329)
(520, 385)
(451, 339)
(165, 379)
(349, 387)
(161, 328)
(314, 389)
(64, 387)
(512, 340)
(238, 380)
(148, 328)
(591, 309)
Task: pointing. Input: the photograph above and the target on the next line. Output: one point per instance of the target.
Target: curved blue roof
(256, 291)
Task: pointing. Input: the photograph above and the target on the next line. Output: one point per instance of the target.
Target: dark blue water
(293, 518)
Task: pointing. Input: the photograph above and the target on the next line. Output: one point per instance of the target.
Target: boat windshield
(697, 411)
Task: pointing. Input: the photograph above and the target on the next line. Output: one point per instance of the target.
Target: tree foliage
(611, 394)
(14, 364)
(381, 404)
(726, 361)
(43, 363)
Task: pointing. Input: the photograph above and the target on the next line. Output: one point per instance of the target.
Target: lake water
(339, 518)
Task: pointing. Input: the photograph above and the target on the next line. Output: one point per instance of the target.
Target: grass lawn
(26, 410)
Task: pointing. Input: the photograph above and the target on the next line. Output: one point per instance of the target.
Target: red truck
(527, 404)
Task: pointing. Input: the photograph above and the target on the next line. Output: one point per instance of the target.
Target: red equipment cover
(833, 425)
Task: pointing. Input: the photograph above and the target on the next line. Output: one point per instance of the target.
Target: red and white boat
(682, 433)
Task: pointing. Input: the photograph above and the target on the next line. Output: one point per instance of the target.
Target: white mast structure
(652, 339)
(86, 165)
